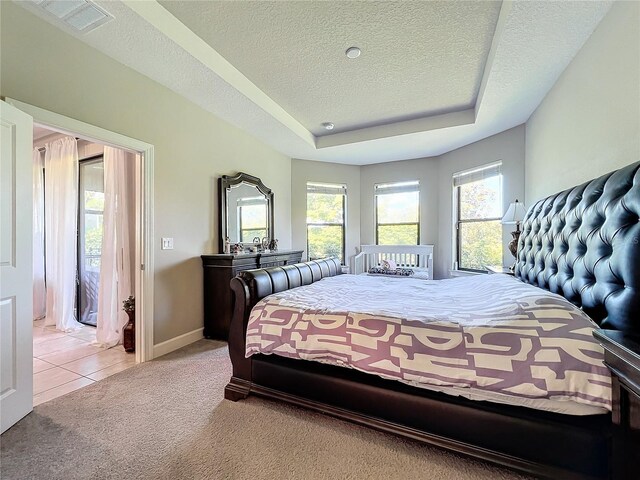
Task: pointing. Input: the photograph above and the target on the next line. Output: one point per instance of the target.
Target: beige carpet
(166, 419)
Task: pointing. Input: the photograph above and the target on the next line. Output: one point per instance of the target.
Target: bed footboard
(248, 288)
(240, 383)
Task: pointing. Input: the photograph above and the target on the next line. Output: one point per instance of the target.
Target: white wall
(303, 171)
(45, 67)
(589, 122)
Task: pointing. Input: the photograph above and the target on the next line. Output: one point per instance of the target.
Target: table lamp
(515, 214)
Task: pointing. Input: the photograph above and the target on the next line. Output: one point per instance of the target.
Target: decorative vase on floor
(129, 333)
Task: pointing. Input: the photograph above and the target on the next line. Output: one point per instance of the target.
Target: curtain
(39, 292)
(117, 240)
(61, 218)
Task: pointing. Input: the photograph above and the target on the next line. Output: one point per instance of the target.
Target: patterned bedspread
(489, 332)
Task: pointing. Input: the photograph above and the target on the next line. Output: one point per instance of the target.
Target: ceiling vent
(80, 15)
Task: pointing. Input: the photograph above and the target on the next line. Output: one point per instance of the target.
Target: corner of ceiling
(396, 129)
(165, 22)
(505, 10)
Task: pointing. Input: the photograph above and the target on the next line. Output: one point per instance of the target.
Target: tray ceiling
(418, 58)
(432, 77)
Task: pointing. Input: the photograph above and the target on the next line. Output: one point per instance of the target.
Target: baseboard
(177, 342)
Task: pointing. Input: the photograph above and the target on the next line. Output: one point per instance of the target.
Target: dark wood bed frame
(541, 443)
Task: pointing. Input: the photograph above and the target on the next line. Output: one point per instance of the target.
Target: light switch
(167, 243)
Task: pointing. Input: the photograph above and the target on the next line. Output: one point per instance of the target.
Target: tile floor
(64, 362)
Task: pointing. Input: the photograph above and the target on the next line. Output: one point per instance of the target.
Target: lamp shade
(515, 213)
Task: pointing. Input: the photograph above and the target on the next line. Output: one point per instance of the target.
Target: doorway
(144, 233)
(18, 120)
(67, 356)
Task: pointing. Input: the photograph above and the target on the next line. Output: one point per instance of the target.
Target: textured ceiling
(418, 58)
(533, 43)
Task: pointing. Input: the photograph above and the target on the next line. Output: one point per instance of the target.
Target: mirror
(246, 210)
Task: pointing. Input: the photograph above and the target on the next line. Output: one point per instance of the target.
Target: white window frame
(331, 189)
(391, 188)
(460, 178)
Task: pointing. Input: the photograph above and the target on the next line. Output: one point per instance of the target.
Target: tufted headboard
(584, 244)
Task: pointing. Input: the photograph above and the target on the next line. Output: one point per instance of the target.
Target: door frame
(144, 255)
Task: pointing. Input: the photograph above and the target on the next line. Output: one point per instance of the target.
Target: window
(90, 229)
(252, 218)
(478, 210)
(325, 220)
(398, 213)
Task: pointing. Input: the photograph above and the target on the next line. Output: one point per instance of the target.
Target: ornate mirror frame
(225, 183)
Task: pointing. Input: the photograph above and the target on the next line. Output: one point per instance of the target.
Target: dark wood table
(498, 269)
(622, 356)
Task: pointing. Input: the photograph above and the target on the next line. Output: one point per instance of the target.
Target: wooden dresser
(219, 269)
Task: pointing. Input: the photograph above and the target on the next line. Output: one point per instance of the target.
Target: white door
(16, 275)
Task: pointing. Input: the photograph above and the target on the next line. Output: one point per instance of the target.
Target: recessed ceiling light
(353, 52)
(328, 125)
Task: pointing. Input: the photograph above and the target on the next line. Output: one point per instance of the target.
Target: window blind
(400, 187)
(246, 201)
(326, 188)
(477, 174)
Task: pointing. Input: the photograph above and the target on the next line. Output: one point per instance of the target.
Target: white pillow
(388, 264)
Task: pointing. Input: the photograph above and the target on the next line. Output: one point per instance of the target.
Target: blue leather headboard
(584, 244)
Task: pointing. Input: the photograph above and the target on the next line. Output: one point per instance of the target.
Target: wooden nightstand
(622, 356)
(498, 269)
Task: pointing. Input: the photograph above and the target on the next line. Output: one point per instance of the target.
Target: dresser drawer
(273, 264)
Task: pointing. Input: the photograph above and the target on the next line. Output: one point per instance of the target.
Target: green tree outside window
(325, 221)
(479, 231)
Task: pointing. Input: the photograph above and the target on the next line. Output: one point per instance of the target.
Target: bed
(578, 249)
